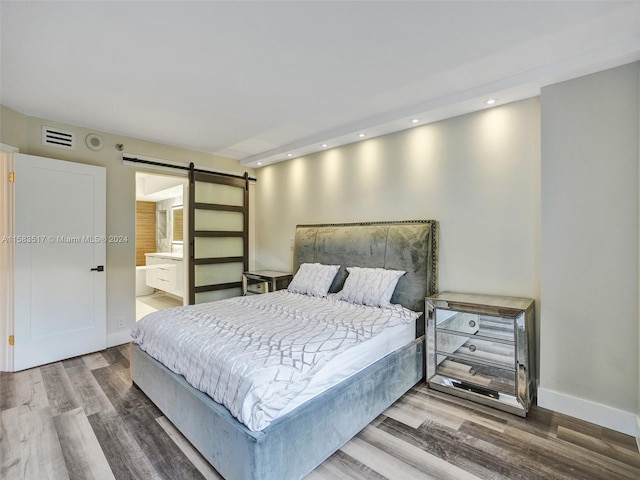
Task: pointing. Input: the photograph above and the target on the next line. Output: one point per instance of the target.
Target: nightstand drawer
(475, 349)
(485, 376)
(476, 324)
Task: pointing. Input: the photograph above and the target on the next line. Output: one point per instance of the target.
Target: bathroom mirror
(161, 224)
(177, 224)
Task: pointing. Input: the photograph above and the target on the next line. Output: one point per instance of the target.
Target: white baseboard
(118, 338)
(638, 431)
(593, 412)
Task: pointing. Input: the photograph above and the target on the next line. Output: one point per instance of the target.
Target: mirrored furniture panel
(481, 347)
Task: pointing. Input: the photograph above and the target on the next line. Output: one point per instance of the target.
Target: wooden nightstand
(481, 347)
(264, 281)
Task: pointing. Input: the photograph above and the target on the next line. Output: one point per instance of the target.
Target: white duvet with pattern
(254, 354)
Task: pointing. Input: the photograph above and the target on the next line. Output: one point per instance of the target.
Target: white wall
(589, 277)
(24, 132)
(478, 174)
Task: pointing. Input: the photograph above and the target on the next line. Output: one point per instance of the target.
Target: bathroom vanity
(165, 271)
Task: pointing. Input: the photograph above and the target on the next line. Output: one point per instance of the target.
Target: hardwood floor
(83, 419)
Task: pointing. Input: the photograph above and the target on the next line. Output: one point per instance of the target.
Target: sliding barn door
(219, 235)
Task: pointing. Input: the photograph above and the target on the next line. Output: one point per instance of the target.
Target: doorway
(161, 268)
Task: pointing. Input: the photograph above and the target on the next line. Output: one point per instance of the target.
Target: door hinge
(11, 340)
(12, 177)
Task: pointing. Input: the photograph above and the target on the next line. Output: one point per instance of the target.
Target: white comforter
(255, 354)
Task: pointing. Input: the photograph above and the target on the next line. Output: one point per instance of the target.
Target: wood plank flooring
(83, 419)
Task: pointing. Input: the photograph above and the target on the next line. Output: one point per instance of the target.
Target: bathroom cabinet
(165, 272)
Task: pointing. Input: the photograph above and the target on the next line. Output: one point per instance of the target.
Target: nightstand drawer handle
(472, 323)
(472, 348)
(472, 372)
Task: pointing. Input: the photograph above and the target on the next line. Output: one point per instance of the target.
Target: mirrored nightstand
(481, 347)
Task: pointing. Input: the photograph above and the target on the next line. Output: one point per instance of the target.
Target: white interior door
(60, 252)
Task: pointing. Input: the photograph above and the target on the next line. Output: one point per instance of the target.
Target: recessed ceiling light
(289, 154)
(491, 101)
(415, 120)
(362, 135)
(259, 163)
(324, 145)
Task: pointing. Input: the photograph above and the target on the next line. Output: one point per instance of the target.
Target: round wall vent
(94, 142)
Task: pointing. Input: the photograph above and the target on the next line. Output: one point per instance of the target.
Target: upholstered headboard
(411, 246)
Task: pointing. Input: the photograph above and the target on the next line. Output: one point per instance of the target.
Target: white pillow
(313, 279)
(370, 286)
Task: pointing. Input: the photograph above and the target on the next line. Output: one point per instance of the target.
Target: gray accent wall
(589, 271)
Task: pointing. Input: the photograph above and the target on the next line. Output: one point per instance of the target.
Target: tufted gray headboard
(411, 246)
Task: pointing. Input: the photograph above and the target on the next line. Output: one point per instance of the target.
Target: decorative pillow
(313, 279)
(370, 286)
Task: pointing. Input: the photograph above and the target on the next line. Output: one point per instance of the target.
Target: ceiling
(267, 81)
(155, 188)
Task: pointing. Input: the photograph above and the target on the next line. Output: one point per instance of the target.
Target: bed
(293, 444)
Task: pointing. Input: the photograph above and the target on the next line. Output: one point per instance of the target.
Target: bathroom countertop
(175, 256)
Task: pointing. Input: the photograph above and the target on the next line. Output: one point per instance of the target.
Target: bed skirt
(293, 445)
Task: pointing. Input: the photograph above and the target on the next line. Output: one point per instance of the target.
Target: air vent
(54, 137)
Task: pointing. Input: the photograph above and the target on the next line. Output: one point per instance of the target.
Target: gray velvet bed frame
(293, 445)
